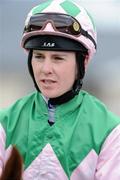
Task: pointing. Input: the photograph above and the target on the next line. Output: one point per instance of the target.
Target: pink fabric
(4, 154)
(108, 166)
(45, 167)
(7, 153)
(2, 147)
(86, 169)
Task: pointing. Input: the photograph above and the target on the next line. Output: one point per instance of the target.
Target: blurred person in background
(61, 131)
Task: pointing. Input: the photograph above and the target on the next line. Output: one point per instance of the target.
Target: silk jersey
(82, 144)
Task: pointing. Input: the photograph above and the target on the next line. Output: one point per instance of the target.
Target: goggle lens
(62, 23)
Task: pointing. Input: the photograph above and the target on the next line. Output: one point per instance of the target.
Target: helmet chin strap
(69, 94)
(66, 96)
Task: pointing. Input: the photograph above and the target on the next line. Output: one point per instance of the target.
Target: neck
(63, 98)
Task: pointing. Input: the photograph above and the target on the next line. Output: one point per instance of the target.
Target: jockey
(61, 131)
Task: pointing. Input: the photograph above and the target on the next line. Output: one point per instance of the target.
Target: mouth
(48, 82)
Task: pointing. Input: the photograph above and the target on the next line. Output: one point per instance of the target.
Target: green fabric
(70, 8)
(81, 125)
(41, 7)
(67, 5)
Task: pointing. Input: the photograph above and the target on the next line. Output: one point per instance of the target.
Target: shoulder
(91, 101)
(17, 116)
(96, 107)
(17, 107)
(98, 120)
(98, 115)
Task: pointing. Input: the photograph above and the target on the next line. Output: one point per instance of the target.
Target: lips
(48, 81)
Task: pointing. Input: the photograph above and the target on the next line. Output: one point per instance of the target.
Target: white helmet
(68, 19)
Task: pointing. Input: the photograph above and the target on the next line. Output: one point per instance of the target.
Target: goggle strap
(85, 33)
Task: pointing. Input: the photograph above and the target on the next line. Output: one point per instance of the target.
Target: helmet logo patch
(48, 44)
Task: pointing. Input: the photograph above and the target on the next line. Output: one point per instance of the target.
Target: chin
(51, 95)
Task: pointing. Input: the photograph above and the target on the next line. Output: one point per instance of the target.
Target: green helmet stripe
(70, 8)
(41, 7)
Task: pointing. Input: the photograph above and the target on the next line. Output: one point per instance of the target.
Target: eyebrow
(37, 52)
(57, 54)
(54, 54)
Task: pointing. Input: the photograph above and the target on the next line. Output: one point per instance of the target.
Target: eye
(38, 57)
(59, 58)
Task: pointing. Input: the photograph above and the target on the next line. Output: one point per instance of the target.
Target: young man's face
(54, 71)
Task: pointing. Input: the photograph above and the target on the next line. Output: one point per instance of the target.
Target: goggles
(61, 22)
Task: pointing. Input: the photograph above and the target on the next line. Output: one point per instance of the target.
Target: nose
(47, 67)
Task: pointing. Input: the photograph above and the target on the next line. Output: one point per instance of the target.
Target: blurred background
(103, 74)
